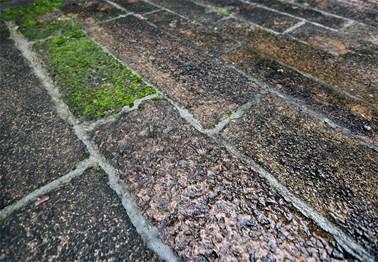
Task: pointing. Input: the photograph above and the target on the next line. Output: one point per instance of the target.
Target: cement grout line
(290, 15)
(91, 125)
(343, 239)
(116, 5)
(297, 104)
(147, 232)
(220, 126)
(170, 11)
(51, 186)
(294, 27)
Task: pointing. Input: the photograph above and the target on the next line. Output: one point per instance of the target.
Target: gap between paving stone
(348, 243)
(148, 233)
(53, 185)
(292, 102)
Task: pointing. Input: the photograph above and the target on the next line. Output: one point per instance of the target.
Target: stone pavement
(194, 130)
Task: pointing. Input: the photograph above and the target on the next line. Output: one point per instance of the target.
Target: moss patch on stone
(30, 22)
(220, 11)
(94, 83)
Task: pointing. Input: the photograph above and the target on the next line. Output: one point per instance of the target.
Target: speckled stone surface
(206, 204)
(328, 170)
(36, 146)
(82, 221)
(200, 36)
(344, 72)
(202, 84)
(90, 11)
(136, 6)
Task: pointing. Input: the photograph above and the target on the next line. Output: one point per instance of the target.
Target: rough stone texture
(201, 36)
(136, 6)
(342, 72)
(260, 16)
(206, 204)
(346, 111)
(90, 12)
(36, 146)
(83, 221)
(190, 10)
(303, 12)
(331, 172)
(339, 43)
(204, 85)
(364, 11)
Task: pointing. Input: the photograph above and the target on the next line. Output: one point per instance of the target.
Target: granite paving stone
(90, 12)
(136, 6)
(206, 204)
(328, 170)
(348, 75)
(83, 220)
(200, 36)
(202, 84)
(360, 118)
(303, 12)
(191, 10)
(260, 16)
(36, 146)
(339, 43)
(365, 11)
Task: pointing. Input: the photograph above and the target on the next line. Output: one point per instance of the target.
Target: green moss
(43, 29)
(2, 221)
(220, 11)
(37, 8)
(157, 98)
(229, 114)
(27, 19)
(94, 82)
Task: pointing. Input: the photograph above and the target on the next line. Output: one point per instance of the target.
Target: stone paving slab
(90, 12)
(200, 36)
(202, 84)
(136, 6)
(346, 111)
(84, 220)
(191, 10)
(36, 146)
(303, 12)
(346, 74)
(339, 43)
(360, 10)
(255, 14)
(328, 170)
(206, 204)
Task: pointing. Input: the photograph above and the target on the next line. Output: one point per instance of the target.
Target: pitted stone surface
(204, 85)
(205, 203)
(200, 36)
(36, 146)
(136, 6)
(345, 111)
(84, 220)
(345, 73)
(189, 9)
(90, 11)
(330, 171)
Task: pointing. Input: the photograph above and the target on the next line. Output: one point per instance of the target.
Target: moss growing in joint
(94, 82)
(220, 11)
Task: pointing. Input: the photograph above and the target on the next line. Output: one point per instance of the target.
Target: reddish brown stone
(202, 84)
(328, 170)
(205, 203)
